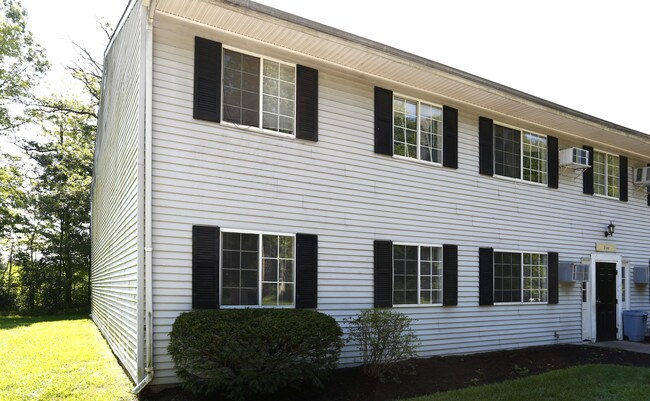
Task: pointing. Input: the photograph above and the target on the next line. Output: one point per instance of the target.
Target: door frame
(606, 258)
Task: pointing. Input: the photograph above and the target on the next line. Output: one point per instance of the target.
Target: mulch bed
(444, 373)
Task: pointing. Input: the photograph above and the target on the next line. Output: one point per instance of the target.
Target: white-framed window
(257, 269)
(417, 130)
(606, 174)
(520, 154)
(258, 92)
(520, 277)
(417, 274)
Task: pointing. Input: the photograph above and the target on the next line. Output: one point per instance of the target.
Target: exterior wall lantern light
(610, 230)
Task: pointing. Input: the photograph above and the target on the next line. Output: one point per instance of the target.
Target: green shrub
(243, 352)
(386, 342)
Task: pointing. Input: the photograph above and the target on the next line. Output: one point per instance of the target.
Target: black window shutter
(588, 175)
(553, 277)
(205, 267)
(449, 137)
(486, 146)
(622, 182)
(449, 275)
(307, 104)
(207, 80)
(486, 276)
(383, 257)
(553, 162)
(383, 121)
(306, 271)
(648, 192)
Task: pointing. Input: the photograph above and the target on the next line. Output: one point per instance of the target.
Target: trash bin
(634, 322)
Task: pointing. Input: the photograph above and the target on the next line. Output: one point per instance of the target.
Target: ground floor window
(417, 274)
(257, 269)
(520, 277)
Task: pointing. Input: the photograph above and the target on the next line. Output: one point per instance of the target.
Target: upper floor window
(606, 174)
(257, 269)
(417, 275)
(417, 130)
(520, 277)
(258, 92)
(520, 154)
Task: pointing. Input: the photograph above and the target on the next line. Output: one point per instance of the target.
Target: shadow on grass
(11, 322)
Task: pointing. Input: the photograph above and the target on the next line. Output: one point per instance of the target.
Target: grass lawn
(58, 358)
(579, 383)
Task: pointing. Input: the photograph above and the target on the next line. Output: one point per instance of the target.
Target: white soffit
(380, 63)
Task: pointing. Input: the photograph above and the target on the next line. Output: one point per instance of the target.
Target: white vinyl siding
(114, 226)
(339, 189)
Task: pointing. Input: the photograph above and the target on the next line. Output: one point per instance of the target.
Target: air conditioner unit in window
(642, 176)
(571, 272)
(641, 275)
(574, 158)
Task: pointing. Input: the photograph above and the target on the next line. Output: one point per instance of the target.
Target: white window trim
(521, 155)
(392, 124)
(605, 196)
(259, 273)
(258, 128)
(521, 278)
(442, 288)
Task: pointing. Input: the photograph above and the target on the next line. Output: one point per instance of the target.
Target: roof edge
(392, 51)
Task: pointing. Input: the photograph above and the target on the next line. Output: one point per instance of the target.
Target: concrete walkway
(625, 345)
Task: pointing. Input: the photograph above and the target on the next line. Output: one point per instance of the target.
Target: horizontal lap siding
(115, 198)
(340, 189)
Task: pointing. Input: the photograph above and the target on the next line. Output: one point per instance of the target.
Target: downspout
(148, 10)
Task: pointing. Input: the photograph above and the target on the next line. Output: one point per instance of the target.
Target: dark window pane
(231, 260)
(241, 72)
(269, 294)
(250, 117)
(230, 296)
(249, 278)
(249, 242)
(231, 241)
(507, 152)
(270, 270)
(230, 278)
(270, 246)
(249, 296)
(398, 297)
(249, 260)
(399, 282)
(507, 277)
(411, 297)
(412, 253)
(239, 268)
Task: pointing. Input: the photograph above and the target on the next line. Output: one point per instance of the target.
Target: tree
(45, 193)
(22, 63)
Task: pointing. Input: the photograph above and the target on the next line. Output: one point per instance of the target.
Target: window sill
(417, 161)
(257, 130)
(416, 305)
(257, 306)
(519, 303)
(519, 180)
(607, 197)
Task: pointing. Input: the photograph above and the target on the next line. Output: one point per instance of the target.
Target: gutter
(248, 5)
(148, 10)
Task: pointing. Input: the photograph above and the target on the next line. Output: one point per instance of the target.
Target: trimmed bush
(386, 342)
(243, 352)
